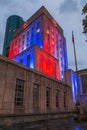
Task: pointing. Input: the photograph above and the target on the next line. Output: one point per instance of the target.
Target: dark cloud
(69, 6)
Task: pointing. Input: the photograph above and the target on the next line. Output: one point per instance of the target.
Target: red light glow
(48, 65)
(25, 25)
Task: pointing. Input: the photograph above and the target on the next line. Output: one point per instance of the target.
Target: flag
(72, 37)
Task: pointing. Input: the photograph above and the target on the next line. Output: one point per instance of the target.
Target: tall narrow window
(38, 25)
(27, 38)
(28, 60)
(21, 60)
(57, 98)
(19, 93)
(64, 99)
(36, 96)
(47, 97)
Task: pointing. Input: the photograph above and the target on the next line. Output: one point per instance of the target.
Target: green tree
(84, 22)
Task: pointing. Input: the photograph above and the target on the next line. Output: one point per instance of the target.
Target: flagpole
(74, 52)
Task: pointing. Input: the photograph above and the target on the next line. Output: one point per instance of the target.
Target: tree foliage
(84, 22)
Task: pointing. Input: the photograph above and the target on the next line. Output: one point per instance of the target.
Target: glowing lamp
(25, 25)
(54, 22)
(48, 32)
(52, 43)
(38, 30)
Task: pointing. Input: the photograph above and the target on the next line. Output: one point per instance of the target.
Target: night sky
(68, 14)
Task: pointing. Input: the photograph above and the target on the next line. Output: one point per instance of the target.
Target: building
(13, 23)
(24, 90)
(40, 44)
(83, 74)
(39, 80)
(74, 80)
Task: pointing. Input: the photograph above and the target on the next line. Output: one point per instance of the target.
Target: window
(28, 60)
(27, 35)
(57, 98)
(23, 37)
(22, 45)
(19, 93)
(47, 97)
(38, 25)
(36, 96)
(48, 32)
(19, 42)
(32, 35)
(64, 99)
(32, 29)
(48, 66)
(21, 60)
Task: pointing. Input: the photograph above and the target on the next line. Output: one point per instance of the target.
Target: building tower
(40, 44)
(13, 23)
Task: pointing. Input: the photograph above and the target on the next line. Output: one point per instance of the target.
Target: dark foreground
(50, 125)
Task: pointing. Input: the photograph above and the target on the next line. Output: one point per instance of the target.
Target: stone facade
(83, 74)
(23, 90)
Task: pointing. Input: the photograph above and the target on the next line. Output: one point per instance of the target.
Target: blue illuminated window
(32, 29)
(38, 24)
(21, 60)
(28, 60)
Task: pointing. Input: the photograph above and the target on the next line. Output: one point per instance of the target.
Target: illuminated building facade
(74, 80)
(13, 23)
(41, 45)
(83, 74)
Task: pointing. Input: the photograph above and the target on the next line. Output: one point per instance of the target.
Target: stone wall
(10, 71)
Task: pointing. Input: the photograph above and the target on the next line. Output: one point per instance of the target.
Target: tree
(84, 22)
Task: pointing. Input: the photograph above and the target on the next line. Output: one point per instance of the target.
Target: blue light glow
(76, 86)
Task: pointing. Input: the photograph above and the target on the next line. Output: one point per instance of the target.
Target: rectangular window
(38, 25)
(19, 93)
(19, 42)
(64, 99)
(57, 98)
(32, 29)
(36, 96)
(28, 60)
(47, 97)
(28, 33)
(21, 60)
